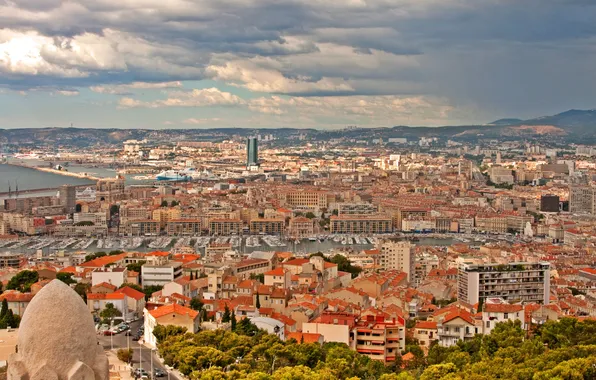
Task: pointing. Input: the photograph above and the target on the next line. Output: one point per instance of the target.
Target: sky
(323, 64)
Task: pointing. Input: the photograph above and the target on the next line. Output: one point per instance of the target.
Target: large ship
(175, 175)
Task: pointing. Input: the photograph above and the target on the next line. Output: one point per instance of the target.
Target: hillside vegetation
(564, 350)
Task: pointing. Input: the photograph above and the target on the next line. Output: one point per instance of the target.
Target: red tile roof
(426, 325)
(276, 272)
(103, 261)
(130, 292)
(173, 309)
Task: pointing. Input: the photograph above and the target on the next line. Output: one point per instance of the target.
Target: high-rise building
(68, 198)
(514, 282)
(252, 151)
(582, 199)
(397, 255)
(549, 203)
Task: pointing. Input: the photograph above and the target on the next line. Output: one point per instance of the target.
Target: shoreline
(54, 171)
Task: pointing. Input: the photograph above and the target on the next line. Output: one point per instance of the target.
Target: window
(488, 324)
(506, 315)
(457, 329)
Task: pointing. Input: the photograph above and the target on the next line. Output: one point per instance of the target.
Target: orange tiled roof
(103, 261)
(130, 292)
(173, 309)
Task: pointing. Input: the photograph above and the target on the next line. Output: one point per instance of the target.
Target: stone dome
(57, 338)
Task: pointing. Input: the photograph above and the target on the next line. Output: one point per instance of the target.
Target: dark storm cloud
(473, 51)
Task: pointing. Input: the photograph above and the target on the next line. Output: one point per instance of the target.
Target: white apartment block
(513, 282)
(160, 274)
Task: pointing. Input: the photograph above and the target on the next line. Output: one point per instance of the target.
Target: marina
(244, 244)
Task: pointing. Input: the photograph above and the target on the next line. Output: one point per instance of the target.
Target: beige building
(109, 190)
(397, 255)
(357, 224)
(184, 227)
(225, 227)
(301, 227)
(582, 199)
(170, 315)
(305, 199)
(273, 226)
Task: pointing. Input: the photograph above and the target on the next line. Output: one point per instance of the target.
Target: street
(122, 341)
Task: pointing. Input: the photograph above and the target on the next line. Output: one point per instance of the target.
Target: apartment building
(499, 311)
(397, 255)
(582, 199)
(146, 227)
(245, 268)
(455, 326)
(379, 338)
(301, 227)
(225, 227)
(272, 226)
(361, 208)
(164, 214)
(526, 282)
(161, 274)
(404, 213)
(109, 189)
(358, 224)
(305, 199)
(184, 227)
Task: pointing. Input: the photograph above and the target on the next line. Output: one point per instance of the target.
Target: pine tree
(233, 320)
(258, 302)
(226, 315)
(4, 309)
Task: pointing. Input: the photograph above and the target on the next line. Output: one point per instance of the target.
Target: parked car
(159, 373)
(109, 332)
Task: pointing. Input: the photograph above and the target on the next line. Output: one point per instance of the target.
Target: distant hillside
(573, 121)
(569, 126)
(506, 122)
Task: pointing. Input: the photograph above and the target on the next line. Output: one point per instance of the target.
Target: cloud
(200, 121)
(259, 79)
(125, 89)
(66, 92)
(195, 98)
(489, 55)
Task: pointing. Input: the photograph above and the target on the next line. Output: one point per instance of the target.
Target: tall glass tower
(252, 151)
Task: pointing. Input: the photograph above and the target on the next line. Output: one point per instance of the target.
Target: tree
(258, 302)
(149, 290)
(23, 280)
(310, 215)
(226, 315)
(65, 277)
(114, 209)
(4, 309)
(196, 304)
(233, 320)
(164, 203)
(164, 332)
(135, 267)
(174, 203)
(82, 288)
(259, 277)
(110, 312)
(124, 355)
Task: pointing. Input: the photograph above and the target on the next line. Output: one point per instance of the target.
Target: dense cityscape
(398, 250)
(297, 190)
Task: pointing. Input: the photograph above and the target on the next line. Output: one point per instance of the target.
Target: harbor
(243, 244)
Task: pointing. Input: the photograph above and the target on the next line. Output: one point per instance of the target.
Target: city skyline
(205, 64)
